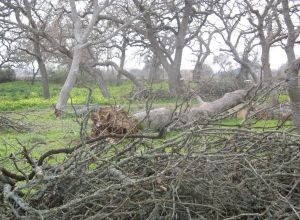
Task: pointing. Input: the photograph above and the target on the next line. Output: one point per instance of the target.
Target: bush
(215, 87)
(7, 75)
(57, 75)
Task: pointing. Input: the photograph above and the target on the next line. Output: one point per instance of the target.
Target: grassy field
(22, 102)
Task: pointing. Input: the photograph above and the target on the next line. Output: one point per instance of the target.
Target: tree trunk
(294, 91)
(122, 63)
(293, 65)
(99, 78)
(175, 81)
(158, 118)
(102, 85)
(70, 81)
(197, 70)
(242, 75)
(172, 68)
(153, 70)
(119, 81)
(42, 68)
(265, 62)
(267, 73)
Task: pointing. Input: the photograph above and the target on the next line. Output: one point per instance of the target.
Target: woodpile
(199, 173)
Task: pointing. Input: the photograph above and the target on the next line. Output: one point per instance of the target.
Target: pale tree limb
(158, 118)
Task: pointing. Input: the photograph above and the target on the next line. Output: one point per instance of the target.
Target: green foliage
(283, 98)
(7, 75)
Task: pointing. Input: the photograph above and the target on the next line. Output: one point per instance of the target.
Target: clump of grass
(283, 98)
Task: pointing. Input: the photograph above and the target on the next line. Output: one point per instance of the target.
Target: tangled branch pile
(202, 173)
(6, 122)
(144, 94)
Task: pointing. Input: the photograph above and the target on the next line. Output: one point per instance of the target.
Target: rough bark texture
(294, 91)
(158, 118)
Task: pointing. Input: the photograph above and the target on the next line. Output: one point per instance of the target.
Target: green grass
(261, 125)
(22, 95)
(283, 98)
(23, 102)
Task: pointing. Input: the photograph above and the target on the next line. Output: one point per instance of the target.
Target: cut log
(158, 118)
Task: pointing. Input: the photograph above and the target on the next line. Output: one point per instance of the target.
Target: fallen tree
(158, 118)
(204, 172)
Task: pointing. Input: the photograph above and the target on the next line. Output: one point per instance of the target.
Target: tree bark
(294, 91)
(153, 70)
(175, 80)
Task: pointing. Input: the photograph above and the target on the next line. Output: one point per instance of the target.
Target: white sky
(277, 58)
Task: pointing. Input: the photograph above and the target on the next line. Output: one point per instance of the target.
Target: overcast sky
(277, 58)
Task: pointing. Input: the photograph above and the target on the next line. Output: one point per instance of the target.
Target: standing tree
(175, 20)
(203, 52)
(240, 39)
(293, 63)
(31, 18)
(268, 27)
(81, 35)
(153, 68)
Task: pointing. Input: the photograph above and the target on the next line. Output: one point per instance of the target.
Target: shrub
(216, 87)
(57, 75)
(7, 75)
